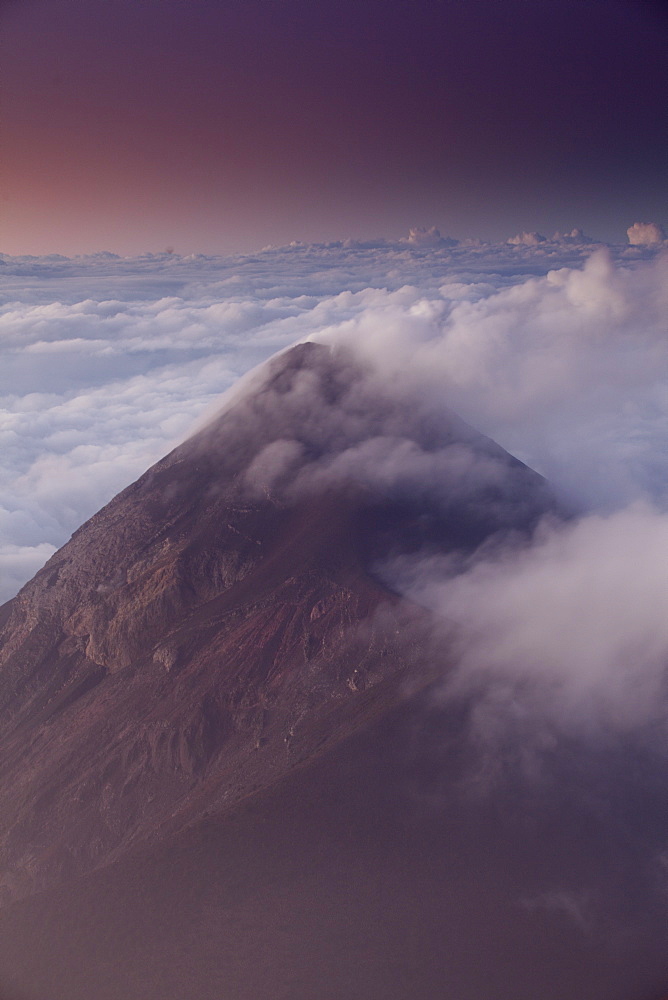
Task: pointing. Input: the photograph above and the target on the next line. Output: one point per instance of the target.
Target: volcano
(224, 773)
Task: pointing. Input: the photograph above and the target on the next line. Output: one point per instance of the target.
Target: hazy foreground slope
(370, 875)
(211, 705)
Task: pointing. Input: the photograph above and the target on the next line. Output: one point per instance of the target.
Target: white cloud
(568, 370)
(527, 239)
(575, 236)
(570, 632)
(419, 236)
(20, 562)
(645, 234)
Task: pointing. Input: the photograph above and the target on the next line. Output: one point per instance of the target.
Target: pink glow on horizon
(216, 129)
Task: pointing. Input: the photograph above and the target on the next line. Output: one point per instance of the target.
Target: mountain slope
(221, 621)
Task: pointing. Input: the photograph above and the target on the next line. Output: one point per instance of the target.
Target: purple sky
(213, 127)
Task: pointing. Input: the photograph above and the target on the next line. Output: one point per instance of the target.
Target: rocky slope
(221, 620)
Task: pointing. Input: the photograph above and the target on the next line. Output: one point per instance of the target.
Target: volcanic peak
(222, 620)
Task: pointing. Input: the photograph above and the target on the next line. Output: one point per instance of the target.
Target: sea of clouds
(558, 350)
(106, 362)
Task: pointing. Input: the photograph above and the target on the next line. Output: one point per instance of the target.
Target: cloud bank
(106, 363)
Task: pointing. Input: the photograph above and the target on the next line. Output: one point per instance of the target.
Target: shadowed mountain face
(211, 708)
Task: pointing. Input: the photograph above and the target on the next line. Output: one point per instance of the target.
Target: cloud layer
(107, 362)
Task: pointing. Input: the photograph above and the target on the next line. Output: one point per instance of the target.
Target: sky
(213, 127)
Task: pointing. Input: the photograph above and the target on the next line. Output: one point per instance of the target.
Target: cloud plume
(570, 631)
(567, 371)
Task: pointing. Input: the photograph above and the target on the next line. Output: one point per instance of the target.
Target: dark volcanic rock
(220, 621)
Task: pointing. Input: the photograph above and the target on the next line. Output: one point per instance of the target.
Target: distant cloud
(527, 239)
(575, 236)
(421, 237)
(645, 233)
